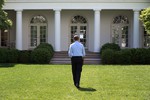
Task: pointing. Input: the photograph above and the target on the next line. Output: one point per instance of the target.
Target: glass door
(79, 30)
(43, 31)
(124, 36)
(120, 35)
(38, 31)
(33, 36)
(38, 35)
(73, 32)
(82, 35)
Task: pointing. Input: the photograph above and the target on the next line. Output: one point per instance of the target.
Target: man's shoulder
(77, 43)
(72, 43)
(80, 43)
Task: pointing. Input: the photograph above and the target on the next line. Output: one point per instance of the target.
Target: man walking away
(76, 52)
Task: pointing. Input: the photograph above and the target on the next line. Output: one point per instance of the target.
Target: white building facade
(56, 21)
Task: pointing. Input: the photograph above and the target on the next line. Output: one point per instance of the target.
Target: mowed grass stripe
(54, 82)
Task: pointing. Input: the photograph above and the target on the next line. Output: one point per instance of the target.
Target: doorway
(79, 27)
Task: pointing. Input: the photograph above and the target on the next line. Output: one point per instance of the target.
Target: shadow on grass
(87, 89)
(7, 65)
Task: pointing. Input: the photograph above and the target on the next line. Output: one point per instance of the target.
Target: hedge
(126, 56)
(40, 56)
(108, 56)
(46, 46)
(24, 56)
(12, 55)
(112, 46)
(3, 55)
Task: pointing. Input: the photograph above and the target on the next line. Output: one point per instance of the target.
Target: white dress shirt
(76, 49)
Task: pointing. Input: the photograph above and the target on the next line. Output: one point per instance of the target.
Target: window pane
(124, 36)
(34, 42)
(38, 19)
(115, 35)
(73, 32)
(33, 36)
(120, 19)
(4, 36)
(146, 39)
(78, 19)
(83, 35)
(42, 34)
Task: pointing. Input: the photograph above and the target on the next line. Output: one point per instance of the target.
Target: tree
(145, 18)
(5, 22)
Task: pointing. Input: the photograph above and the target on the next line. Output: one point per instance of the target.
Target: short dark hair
(76, 37)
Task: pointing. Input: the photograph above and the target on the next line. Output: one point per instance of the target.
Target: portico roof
(76, 4)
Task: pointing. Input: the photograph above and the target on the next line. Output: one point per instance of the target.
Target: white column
(57, 29)
(19, 29)
(136, 33)
(97, 30)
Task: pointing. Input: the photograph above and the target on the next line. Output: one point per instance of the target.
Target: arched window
(120, 27)
(120, 19)
(78, 19)
(38, 30)
(79, 27)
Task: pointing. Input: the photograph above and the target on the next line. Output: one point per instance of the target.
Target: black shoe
(77, 85)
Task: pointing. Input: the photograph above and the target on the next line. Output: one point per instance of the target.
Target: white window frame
(78, 29)
(120, 25)
(38, 25)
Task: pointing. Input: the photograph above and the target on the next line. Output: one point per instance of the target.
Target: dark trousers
(77, 63)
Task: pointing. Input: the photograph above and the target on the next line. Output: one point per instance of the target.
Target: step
(62, 58)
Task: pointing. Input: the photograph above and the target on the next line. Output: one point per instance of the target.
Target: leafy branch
(145, 18)
(5, 22)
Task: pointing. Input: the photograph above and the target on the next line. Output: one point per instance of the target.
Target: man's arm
(83, 51)
(70, 52)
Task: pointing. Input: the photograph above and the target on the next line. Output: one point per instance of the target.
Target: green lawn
(54, 82)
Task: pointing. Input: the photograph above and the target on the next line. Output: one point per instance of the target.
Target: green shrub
(140, 56)
(40, 56)
(133, 51)
(147, 56)
(108, 56)
(117, 57)
(126, 56)
(46, 46)
(24, 56)
(12, 55)
(112, 46)
(3, 55)
(123, 57)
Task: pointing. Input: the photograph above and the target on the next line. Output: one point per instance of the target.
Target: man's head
(76, 37)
